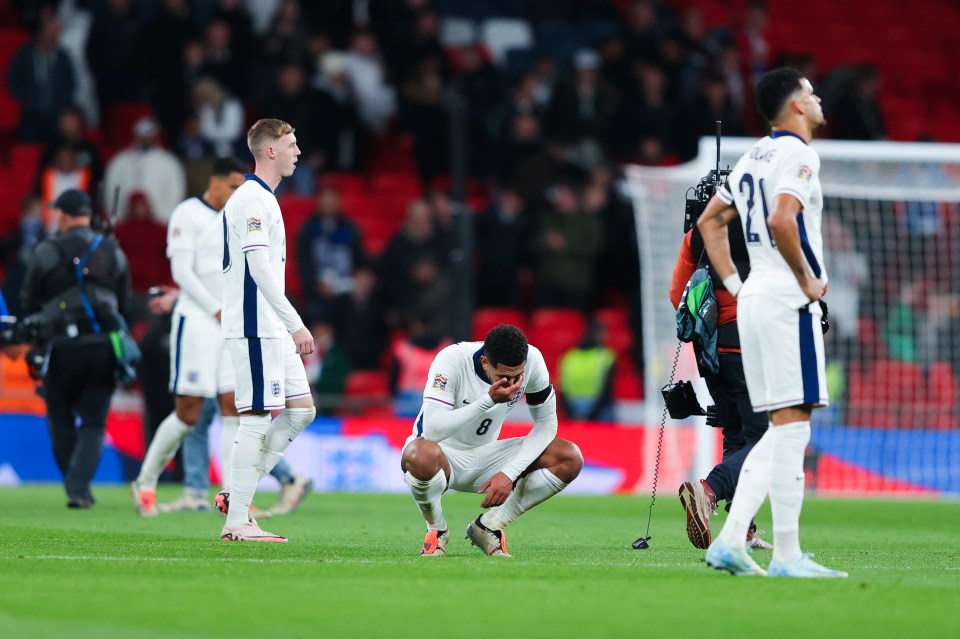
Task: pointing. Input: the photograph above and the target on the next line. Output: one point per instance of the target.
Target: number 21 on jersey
(747, 189)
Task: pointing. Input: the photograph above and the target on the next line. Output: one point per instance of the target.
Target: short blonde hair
(266, 130)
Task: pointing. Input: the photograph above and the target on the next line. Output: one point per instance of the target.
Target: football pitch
(352, 569)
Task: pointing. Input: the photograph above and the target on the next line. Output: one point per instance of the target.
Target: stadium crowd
(144, 95)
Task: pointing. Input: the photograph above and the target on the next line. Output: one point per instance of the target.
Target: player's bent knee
(570, 461)
(421, 458)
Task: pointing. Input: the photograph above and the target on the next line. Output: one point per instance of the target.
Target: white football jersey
(195, 227)
(779, 163)
(251, 222)
(457, 378)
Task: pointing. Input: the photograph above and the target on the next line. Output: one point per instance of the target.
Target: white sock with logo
(427, 493)
(285, 428)
(752, 488)
(164, 446)
(228, 436)
(786, 488)
(245, 467)
(535, 488)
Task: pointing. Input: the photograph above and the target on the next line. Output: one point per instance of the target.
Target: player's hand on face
(503, 390)
(500, 488)
(812, 288)
(303, 340)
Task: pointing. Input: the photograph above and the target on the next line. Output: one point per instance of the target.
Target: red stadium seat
(486, 318)
(627, 382)
(367, 393)
(555, 331)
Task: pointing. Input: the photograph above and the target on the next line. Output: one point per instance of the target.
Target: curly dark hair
(774, 90)
(505, 344)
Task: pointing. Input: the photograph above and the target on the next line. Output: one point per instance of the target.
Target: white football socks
(285, 428)
(752, 488)
(164, 446)
(245, 466)
(427, 493)
(531, 490)
(228, 435)
(786, 488)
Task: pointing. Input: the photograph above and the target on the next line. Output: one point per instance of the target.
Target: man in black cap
(77, 286)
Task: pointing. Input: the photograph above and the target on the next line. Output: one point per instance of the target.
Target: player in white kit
(199, 364)
(265, 336)
(470, 389)
(775, 190)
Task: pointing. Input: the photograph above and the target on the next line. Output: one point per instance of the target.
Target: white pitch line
(289, 560)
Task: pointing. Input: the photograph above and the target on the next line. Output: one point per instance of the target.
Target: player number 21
(484, 427)
(747, 189)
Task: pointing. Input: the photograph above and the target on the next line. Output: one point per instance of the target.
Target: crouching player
(470, 389)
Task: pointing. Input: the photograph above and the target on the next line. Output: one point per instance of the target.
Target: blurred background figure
(586, 377)
(327, 367)
(148, 168)
(412, 357)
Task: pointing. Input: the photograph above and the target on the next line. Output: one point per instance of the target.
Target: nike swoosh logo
(465, 402)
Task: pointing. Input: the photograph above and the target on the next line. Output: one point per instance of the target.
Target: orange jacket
(683, 270)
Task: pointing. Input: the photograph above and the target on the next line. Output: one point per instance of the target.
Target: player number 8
(484, 426)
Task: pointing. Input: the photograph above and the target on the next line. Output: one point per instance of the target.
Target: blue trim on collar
(478, 367)
(252, 176)
(782, 134)
(207, 204)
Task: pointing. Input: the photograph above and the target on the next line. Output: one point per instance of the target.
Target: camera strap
(78, 270)
(4, 309)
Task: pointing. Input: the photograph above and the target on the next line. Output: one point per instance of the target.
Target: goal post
(891, 228)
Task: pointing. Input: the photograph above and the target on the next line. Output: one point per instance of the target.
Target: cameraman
(77, 287)
(742, 427)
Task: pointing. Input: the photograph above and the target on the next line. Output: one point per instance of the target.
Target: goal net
(892, 243)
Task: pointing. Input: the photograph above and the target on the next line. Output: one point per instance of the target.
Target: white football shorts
(199, 363)
(471, 467)
(268, 372)
(782, 348)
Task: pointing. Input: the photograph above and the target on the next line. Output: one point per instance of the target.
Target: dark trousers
(742, 428)
(77, 388)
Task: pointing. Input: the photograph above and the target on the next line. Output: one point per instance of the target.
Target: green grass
(352, 570)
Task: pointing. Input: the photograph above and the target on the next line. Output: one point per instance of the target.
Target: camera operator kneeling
(78, 284)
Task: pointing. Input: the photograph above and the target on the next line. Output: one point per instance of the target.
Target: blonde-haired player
(265, 336)
(775, 190)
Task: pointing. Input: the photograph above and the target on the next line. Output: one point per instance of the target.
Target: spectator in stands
(365, 331)
(754, 40)
(412, 357)
(115, 54)
(146, 245)
(286, 39)
(221, 60)
(17, 249)
(415, 270)
(70, 132)
(327, 366)
(647, 114)
(294, 101)
(586, 377)
(196, 155)
(522, 99)
(857, 112)
(149, 168)
(221, 118)
(172, 99)
(901, 326)
(64, 173)
(329, 249)
(712, 103)
(645, 25)
(502, 249)
(567, 244)
(424, 114)
(164, 39)
(42, 80)
(337, 93)
(478, 82)
(375, 97)
(241, 28)
(583, 108)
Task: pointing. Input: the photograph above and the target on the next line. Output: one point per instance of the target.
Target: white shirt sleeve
(798, 175)
(181, 267)
(258, 262)
(544, 415)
